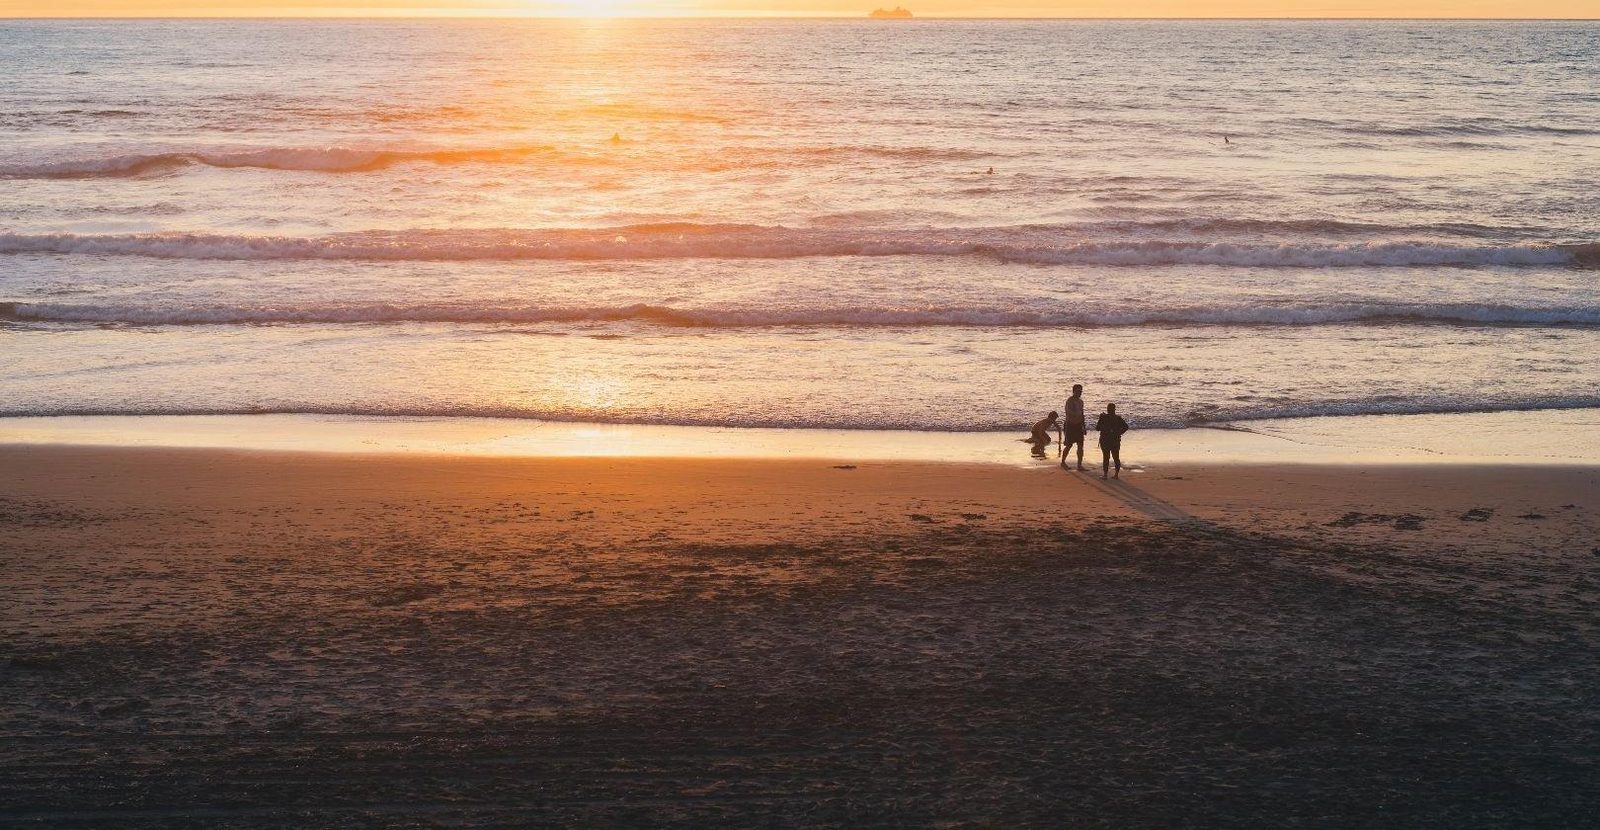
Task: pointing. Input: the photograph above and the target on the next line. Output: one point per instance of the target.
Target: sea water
(928, 225)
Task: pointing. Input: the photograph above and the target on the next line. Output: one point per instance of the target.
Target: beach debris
(1532, 516)
(1477, 514)
(844, 466)
(923, 517)
(974, 517)
(1400, 521)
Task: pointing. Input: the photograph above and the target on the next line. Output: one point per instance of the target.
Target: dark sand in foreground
(211, 638)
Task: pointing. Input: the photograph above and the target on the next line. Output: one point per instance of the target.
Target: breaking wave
(1022, 244)
(1147, 419)
(1472, 127)
(1393, 313)
(361, 159)
(1378, 406)
(314, 159)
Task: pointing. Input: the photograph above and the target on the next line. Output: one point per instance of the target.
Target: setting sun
(591, 8)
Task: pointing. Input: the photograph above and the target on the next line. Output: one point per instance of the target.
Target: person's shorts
(1113, 444)
(1074, 436)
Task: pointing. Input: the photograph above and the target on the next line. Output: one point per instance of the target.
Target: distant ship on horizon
(896, 13)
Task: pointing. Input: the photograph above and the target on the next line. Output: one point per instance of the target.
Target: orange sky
(849, 8)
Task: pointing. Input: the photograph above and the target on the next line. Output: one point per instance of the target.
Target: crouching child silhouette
(1110, 426)
(1040, 437)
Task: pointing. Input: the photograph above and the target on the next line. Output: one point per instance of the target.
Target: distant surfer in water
(1041, 434)
(1073, 427)
(1110, 426)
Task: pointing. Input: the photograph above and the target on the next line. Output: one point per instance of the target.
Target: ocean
(929, 225)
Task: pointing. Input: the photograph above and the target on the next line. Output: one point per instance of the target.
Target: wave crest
(1024, 244)
(337, 159)
(312, 159)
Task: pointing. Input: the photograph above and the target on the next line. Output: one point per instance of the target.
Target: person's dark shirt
(1110, 426)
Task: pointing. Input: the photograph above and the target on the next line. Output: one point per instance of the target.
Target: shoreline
(1542, 437)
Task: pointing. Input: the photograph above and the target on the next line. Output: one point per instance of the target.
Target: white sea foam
(1027, 244)
(1145, 418)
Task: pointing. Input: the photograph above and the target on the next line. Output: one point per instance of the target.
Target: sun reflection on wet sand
(1567, 437)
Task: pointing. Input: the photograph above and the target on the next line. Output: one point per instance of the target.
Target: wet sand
(1555, 437)
(202, 637)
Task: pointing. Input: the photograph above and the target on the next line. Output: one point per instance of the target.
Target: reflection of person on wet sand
(1041, 434)
(1110, 426)
(1073, 427)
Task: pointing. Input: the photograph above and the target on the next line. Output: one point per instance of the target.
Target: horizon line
(788, 16)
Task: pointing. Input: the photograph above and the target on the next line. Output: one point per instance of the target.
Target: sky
(849, 8)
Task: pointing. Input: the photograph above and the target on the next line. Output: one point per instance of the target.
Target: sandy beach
(203, 637)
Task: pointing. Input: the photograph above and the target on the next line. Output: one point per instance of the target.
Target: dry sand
(205, 638)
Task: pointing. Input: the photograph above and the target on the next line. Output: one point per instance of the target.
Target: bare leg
(1105, 462)
(1080, 456)
(1116, 456)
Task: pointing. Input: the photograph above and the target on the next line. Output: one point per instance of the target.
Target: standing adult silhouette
(1073, 427)
(1110, 426)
